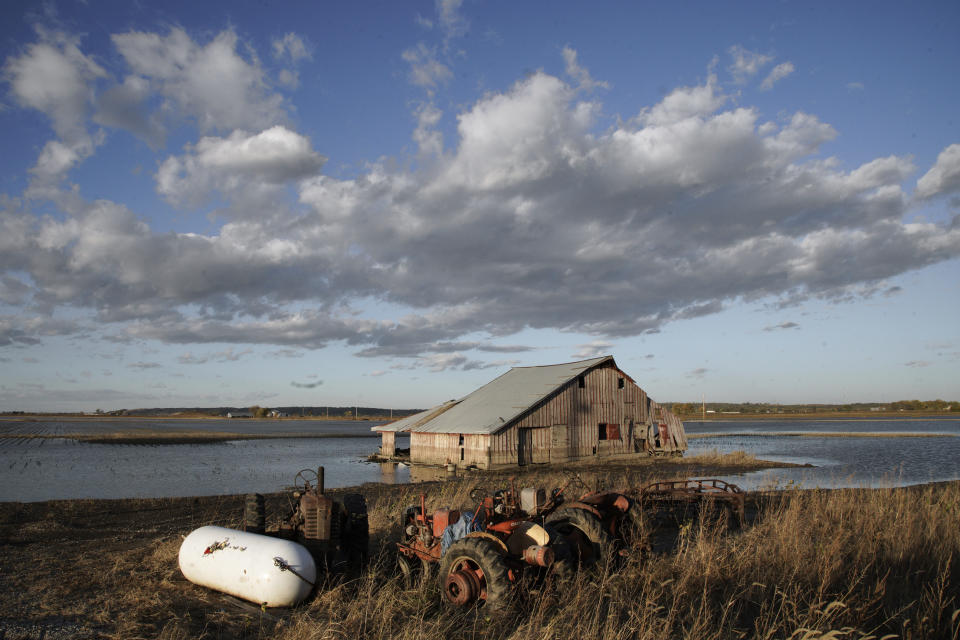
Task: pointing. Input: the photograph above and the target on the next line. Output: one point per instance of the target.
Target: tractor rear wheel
(472, 571)
(585, 533)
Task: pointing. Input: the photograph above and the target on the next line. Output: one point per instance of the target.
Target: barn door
(524, 446)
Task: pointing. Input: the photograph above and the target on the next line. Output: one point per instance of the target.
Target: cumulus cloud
(126, 106)
(211, 83)
(54, 77)
(778, 73)
(943, 177)
(243, 166)
(541, 215)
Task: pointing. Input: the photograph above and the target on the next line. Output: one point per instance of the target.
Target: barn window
(620, 383)
(461, 440)
(581, 382)
(608, 431)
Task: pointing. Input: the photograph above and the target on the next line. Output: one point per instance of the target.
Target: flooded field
(845, 453)
(47, 468)
(38, 463)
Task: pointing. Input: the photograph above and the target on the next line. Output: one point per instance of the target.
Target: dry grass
(816, 564)
(850, 564)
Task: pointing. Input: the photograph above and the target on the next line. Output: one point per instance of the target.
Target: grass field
(852, 563)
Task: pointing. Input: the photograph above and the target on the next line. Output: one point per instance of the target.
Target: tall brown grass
(840, 564)
(815, 564)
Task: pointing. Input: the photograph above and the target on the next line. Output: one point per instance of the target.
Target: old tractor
(480, 557)
(335, 533)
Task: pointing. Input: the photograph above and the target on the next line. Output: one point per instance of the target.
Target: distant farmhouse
(530, 415)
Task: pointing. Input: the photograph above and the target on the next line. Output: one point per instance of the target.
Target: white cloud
(536, 217)
(291, 45)
(685, 102)
(211, 83)
(425, 70)
(746, 63)
(778, 73)
(238, 165)
(429, 140)
(943, 177)
(53, 76)
(125, 106)
(579, 73)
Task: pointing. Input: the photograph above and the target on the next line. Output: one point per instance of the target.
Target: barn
(530, 415)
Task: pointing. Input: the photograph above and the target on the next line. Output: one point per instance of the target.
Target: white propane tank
(268, 571)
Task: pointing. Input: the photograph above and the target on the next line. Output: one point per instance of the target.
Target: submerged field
(850, 563)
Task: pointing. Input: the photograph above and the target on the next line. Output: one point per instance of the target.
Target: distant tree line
(697, 408)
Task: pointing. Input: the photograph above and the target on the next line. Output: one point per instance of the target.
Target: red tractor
(480, 557)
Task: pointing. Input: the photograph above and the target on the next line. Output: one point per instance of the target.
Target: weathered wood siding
(388, 443)
(443, 448)
(566, 426)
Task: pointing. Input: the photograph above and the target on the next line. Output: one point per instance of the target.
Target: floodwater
(33, 469)
(859, 461)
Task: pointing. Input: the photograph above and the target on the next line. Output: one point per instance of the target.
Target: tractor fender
(580, 505)
(501, 545)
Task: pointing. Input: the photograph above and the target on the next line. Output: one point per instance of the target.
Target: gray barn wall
(566, 425)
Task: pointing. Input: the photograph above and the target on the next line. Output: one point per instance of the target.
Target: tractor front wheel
(472, 571)
(413, 571)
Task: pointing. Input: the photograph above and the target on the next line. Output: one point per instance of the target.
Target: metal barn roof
(497, 403)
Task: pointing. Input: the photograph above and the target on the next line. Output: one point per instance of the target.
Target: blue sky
(392, 203)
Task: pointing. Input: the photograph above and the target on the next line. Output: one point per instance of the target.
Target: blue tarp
(458, 530)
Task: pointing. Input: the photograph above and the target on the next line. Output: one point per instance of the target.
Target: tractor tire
(413, 572)
(472, 572)
(594, 544)
(254, 514)
(564, 560)
(355, 535)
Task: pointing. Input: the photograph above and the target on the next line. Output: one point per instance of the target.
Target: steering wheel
(305, 478)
